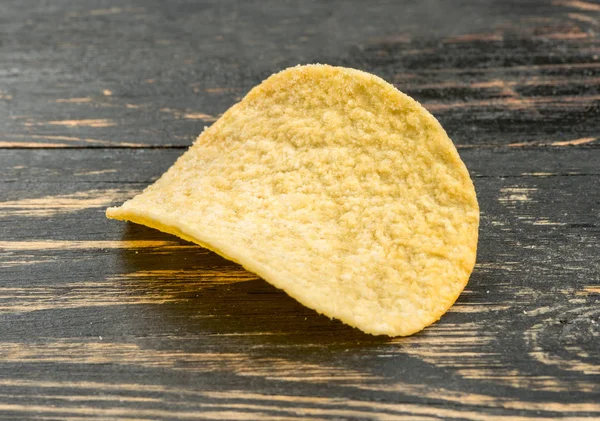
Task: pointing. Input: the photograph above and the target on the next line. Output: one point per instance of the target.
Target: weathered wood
(91, 78)
(100, 317)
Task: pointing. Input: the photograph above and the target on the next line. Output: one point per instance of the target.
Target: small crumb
(524, 312)
(100, 337)
(488, 291)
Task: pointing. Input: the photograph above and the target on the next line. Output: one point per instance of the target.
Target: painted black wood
(148, 73)
(100, 319)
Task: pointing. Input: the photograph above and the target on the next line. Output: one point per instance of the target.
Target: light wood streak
(563, 35)
(73, 100)
(82, 123)
(487, 401)
(593, 289)
(11, 144)
(391, 408)
(69, 139)
(64, 203)
(581, 5)
(139, 414)
(580, 141)
(199, 116)
(583, 18)
(240, 364)
(516, 103)
(97, 172)
(106, 12)
(80, 390)
(475, 308)
(83, 245)
(83, 398)
(513, 195)
(26, 300)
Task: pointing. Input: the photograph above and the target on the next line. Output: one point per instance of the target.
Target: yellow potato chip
(335, 187)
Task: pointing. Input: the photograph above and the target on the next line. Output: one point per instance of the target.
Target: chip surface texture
(335, 187)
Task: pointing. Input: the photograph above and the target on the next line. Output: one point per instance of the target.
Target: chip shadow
(202, 293)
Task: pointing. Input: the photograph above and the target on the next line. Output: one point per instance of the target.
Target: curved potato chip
(335, 187)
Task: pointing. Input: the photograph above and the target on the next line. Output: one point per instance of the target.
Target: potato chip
(335, 187)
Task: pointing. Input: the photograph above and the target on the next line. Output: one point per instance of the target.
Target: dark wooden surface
(100, 319)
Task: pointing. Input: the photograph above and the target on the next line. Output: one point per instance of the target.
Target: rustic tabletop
(102, 319)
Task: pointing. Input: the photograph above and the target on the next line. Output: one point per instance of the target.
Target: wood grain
(105, 320)
(203, 338)
(529, 70)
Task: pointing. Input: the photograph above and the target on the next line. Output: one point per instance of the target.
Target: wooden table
(101, 319)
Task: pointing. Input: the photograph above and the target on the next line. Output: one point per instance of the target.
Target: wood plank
(101, 319)
(494, 73)
(106, 319)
